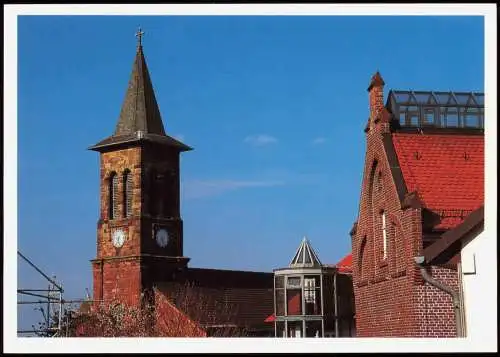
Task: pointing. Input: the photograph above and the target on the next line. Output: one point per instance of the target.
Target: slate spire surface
(140, 118)
(140, 111)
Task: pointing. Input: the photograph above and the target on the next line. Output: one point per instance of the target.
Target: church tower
(139, 231)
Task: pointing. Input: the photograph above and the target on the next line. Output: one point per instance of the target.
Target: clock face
(162, 237)
(118, 238)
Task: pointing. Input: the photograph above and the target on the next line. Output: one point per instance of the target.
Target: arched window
(362, 257)
(371, 182)
(113, 196)
(127, 193)
(384, 234)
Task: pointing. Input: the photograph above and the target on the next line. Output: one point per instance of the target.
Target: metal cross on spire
(139, 35)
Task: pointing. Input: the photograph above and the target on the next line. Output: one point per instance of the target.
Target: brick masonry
(124, 272)
(390, 297)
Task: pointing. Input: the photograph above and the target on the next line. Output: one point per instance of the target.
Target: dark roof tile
(223, 296)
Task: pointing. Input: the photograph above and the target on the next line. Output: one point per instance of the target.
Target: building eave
(450, 242)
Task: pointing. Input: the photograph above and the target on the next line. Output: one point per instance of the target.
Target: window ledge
(398, 274)
(380, 279)
(362, 283)
(383, 263)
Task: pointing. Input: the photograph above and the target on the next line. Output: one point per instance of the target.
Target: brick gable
(407, 178)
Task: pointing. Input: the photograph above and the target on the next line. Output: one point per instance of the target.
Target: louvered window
(113, 196)
(152, 193)
(127, 193)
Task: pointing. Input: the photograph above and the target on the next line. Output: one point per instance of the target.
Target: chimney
(376, 90)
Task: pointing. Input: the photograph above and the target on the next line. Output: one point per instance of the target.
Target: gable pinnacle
(376, 81)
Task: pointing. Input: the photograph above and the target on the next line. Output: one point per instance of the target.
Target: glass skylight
(437, 109)
(305, 256)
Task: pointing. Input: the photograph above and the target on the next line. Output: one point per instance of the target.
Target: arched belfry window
(113, 196)
(152, 192)
(127, 193)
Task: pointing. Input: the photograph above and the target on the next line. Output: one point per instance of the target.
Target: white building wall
(474, 280)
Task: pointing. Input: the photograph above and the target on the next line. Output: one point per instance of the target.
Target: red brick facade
(390, 297)
(112, 263)
(126, 271)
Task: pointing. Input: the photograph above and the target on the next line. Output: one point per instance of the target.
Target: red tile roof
(172, 315)
(345, 264)
(270, 318)
(446, 170)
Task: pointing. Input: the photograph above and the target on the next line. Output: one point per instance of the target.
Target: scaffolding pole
(54, 296)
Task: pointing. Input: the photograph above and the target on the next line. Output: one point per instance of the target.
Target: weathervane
(139, 35)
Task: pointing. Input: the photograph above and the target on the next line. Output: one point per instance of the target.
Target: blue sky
(274, 107)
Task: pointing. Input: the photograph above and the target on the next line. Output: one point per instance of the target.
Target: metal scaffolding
(50, 303)
(48, 300)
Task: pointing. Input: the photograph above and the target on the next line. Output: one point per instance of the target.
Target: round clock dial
(162, 237)
(118, 238)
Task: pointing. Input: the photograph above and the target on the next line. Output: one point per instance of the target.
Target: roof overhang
(114, 142)
(451, 242)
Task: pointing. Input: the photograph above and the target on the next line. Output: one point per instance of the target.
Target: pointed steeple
(140, 110)
(140, 117)
(305, 257)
